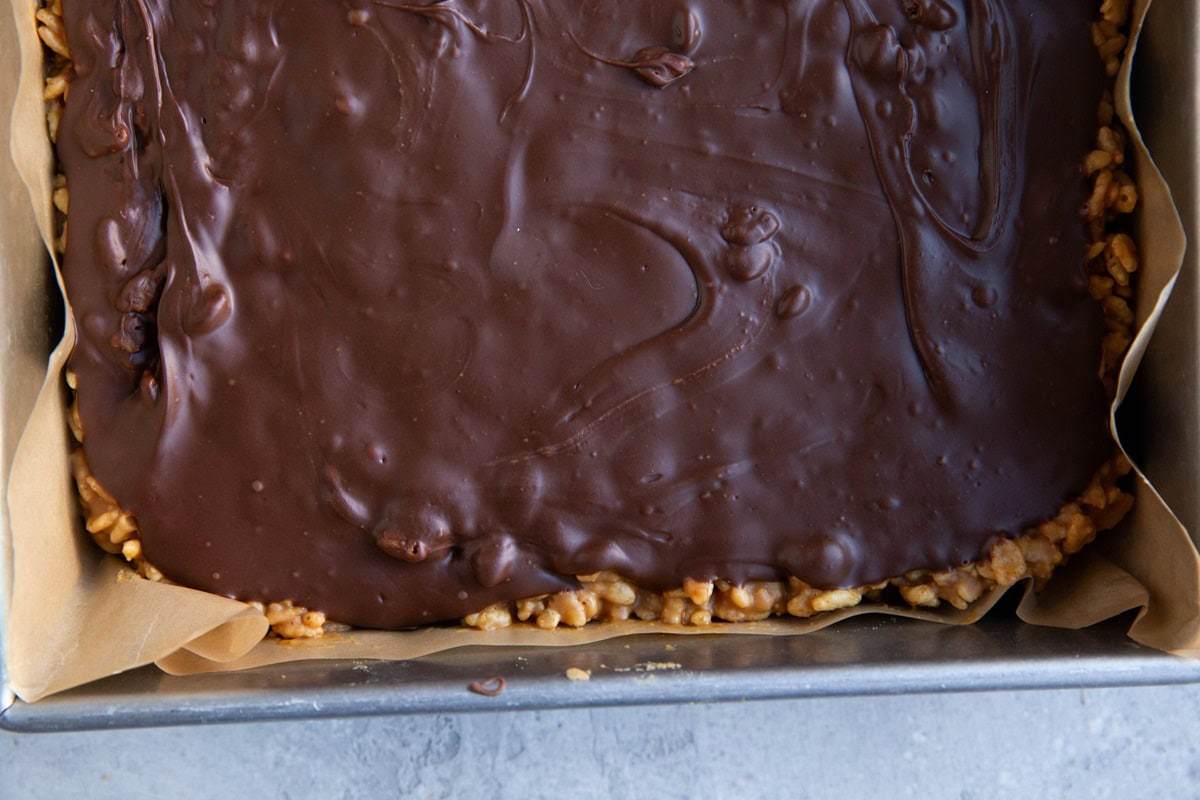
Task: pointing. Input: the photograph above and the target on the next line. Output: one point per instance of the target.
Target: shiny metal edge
(1161, 416)
(9, 64)
(863, 656)
(868, 656)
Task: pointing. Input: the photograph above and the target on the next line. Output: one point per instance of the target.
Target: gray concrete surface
(1102, 743)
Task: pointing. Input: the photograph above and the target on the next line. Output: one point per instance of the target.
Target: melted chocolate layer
(399, 309)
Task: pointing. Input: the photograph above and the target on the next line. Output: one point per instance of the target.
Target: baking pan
(860, 656)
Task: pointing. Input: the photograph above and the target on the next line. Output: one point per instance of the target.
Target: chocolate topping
(397, 310)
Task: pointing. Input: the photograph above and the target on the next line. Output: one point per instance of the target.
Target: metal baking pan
(860, 656)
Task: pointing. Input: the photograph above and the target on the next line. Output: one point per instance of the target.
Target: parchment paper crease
(71, 618)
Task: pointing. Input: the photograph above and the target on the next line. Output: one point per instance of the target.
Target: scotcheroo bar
(409, 312)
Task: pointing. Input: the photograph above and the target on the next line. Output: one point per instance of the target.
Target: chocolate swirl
(399, 309)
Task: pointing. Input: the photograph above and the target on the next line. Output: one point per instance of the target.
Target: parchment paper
(73, 614)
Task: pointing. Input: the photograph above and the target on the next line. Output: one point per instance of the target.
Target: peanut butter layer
(401, 310)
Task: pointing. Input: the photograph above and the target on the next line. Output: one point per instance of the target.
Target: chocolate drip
(399, 309)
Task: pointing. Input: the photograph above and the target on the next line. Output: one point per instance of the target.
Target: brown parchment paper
(74, 614)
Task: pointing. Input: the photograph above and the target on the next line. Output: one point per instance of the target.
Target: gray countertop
(1134, 742)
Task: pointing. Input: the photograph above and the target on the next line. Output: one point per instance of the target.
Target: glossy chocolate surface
(398, 309)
